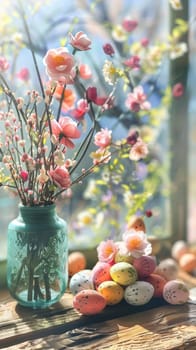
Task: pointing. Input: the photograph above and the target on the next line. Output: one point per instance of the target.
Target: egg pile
(136, 281)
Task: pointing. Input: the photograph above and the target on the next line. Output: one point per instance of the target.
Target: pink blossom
(4, 64)
(138, 151)
(132, 137)
(68, 97)
(65, 129)
(136, 243)
(133, 62)
(23, 74)
(60, 63)
(82, 108)
(103, 138)
(106, 251)
(129, 25)
(80, 41)
(60, 176)
(24, 175)
(108, 49)
(178, 90)
(136, 100)
(84, 71)
(144, 42)
(91, 93)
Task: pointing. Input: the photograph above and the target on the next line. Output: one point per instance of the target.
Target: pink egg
(178, 249)
(89, 302)
(145, 265)
(158, 282)
(168, 269)
(101, 273)
(188, 262)
(175, 292)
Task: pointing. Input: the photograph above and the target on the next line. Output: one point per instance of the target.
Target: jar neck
(37, 212)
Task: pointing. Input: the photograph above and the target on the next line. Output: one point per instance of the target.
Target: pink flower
(81, 110)
(80, 41)
(23, 74)
(108, 49)
(138, 151)
(84, 71)
(91, 93)
(136, 100)
(133, 62)
(136, 243)
(60, 176)
(144, 42)
(106, 251)
(68, 97)
(24, 175)
(60, 63)
(178, 90)
(132, 137)
(103, 138)
(4, 64)
(129, 25)
(65, 129)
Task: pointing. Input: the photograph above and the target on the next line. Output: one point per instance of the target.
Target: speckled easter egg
(119, 257)
(137, 224)
(175, 292)
(111, 291)
(168, 269)
(145, 265)
(188, 262)
(123, 273)
(179, 248)
(89, 302)
(139, 293)
(76, 262)
(158, 282)
(101, 273)
(80, 281)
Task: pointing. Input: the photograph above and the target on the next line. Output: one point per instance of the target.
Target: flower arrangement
(37, 134)
(39, 128)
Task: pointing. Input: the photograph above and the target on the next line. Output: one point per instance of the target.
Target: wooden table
(156, 325)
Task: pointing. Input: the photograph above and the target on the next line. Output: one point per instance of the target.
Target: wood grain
(162, 328)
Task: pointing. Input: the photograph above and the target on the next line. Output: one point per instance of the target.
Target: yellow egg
(76, 262)
(111, 291)
(120, 257)
(123, 273)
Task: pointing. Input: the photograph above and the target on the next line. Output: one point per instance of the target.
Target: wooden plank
(18, 323)
(167, 327)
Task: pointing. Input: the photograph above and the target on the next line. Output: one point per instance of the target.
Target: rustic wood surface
(156, 325)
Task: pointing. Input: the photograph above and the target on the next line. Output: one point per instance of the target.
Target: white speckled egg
(89, 302)
(168, 269)
(123, 273)
(80, 281)
(139, 293)
(175, 292)
(111, 291)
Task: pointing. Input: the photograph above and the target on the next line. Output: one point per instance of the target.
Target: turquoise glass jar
(37, 252)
